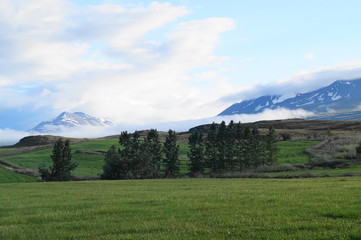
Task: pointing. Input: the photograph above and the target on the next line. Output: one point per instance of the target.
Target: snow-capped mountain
(339, 96)
(254, 105)
(69, 120)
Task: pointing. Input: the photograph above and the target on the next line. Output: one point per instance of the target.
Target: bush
(277, 168)
(358, 150)
(330, 164)
(286, 136)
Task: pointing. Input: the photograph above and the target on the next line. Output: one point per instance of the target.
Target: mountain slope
(69, 120)
(254, 105)
(339, 96)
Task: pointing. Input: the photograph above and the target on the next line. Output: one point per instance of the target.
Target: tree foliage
(196, 153)
(171, 155)
(62, 164)
(236, 146)
(141, 158)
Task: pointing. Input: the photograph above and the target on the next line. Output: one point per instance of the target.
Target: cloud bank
(9, 137)
(303, 81)
(109, 60)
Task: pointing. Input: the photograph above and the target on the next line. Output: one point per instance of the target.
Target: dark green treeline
(147, 158)
(230, 148)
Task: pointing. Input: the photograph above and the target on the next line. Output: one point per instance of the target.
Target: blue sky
(148, 61)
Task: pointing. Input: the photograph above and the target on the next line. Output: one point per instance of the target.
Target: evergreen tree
(230, 146)
(245, 149)
(171, 155)
(211, 153)
(256, 150)
(239, 145)
(125, 142)
(154, 150)
(116, 166)
(62, 164)
(123, 163)
(271, 146)
(221, 147)
(196, 153)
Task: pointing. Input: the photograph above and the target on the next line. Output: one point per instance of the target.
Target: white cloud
(300, 82)
(102, 59)
(9, 137)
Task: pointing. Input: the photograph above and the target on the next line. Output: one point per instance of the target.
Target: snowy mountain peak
(69, 120)
(340, 95)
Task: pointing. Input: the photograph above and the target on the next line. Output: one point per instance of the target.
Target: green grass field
(324, 208)
(89, 164)
(7, 176)
(4, 149)
(292, 152)
(355, 169)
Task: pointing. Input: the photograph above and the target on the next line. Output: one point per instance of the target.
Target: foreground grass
(183, 209)
(7, 176)
(332, 172)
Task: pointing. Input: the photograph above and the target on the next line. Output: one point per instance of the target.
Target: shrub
(358, 150)
(286, 136)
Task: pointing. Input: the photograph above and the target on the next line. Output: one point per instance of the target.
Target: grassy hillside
(183, 209)
(7, 176)
(293, 152)
(91, 164)
(4, 149)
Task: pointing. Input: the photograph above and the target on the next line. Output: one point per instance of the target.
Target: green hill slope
(7, 176)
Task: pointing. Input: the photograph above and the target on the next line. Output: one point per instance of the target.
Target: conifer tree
(171, 155)
(256, 150)
(246, 147)
(196, 153)
(230, 146)
(271, 146)
(62, 164)
(116, 166)
(154, 150)
(211, 153)
(221, 146)
(239, 145)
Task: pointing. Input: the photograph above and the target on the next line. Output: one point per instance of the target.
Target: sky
(141, 62)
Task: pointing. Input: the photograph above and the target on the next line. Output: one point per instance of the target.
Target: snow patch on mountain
(71, 120)
(340, 95)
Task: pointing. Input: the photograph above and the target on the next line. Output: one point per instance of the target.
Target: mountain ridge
(70, 120)
(339, 96)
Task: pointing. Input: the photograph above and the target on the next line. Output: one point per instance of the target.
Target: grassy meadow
(7, 176)
(323, 208)
(88, 164)
(293, 152)
(91, 164)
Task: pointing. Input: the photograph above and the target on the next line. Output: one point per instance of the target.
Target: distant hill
(69, 120)
(339, 96)
(291, 124)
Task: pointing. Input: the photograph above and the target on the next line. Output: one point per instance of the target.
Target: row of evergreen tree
(148, 158)
(231, 147)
